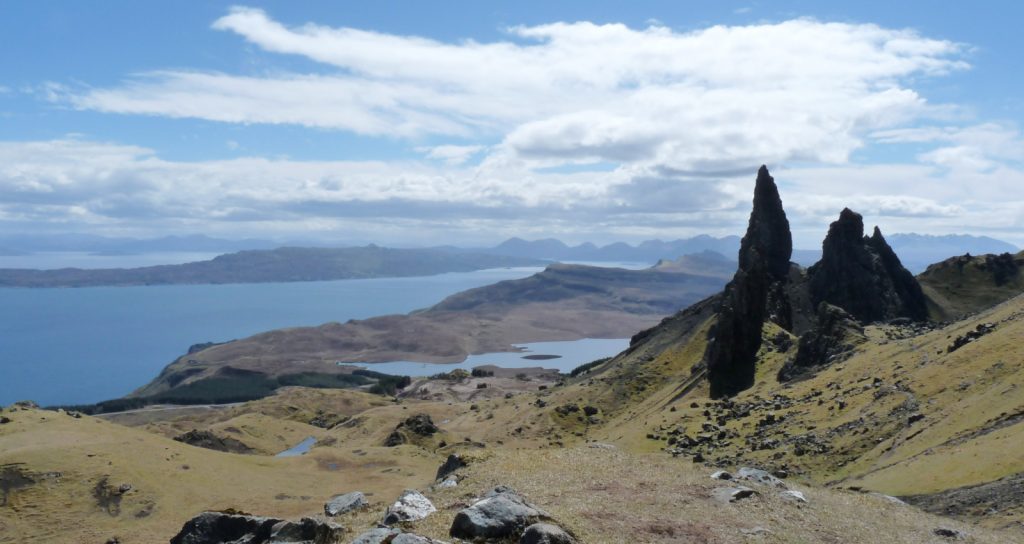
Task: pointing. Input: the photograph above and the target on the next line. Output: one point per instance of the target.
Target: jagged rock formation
(835, 336)
(221, 527)
(863, 275)
(756, 293)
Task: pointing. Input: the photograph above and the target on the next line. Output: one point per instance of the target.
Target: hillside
(278, 265)
(962, 285)
(564, 302)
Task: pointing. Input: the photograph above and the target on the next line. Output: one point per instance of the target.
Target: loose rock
(731, 494)
(340, 504)
(759, 476)
(546, 533)
(411, 506)
(219, 527)
(501, 514)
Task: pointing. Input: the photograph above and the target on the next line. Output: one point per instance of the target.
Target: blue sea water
(83, 345)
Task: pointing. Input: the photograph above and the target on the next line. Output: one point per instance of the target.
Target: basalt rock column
(755, 293)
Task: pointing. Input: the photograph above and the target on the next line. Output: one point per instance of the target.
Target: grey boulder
(219, 527)
(759, 476)
(546, 533)
(500, 514)
(378, 535)
(731, 494)
(340, 504)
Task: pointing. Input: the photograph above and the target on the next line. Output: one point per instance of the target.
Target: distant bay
(83, 345)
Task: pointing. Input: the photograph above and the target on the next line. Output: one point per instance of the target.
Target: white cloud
(453, 155)
(579, 91)
(93, 185)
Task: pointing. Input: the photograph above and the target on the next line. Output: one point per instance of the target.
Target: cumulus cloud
(574, 91)
(677, 123)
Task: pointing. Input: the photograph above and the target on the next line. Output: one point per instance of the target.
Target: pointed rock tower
(755, 294)
(862, 275)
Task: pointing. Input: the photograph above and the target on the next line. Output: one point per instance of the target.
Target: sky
(424, 123)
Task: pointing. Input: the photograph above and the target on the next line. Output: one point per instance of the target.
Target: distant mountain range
(650, 251)
(916, 251)
(277, 265)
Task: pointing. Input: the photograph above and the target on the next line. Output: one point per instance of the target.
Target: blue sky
(468, 122)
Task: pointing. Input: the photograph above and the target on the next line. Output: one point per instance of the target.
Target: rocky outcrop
(836, 335)
(862, 275)
(221, 527)
(501, 514)
(210, 441)
(756, 293)
(418, 425)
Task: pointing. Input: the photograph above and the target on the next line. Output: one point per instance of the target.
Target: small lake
(299, 449)
(570, 354)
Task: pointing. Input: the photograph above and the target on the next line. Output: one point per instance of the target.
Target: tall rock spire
(755, 293)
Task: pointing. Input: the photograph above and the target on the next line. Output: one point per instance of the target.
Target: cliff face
(756, 293)
(863, 275)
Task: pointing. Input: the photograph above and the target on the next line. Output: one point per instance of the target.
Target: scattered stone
(379, 535)
(731, 494)
(546, 533)
(793, 495)
(453, 463)
(601, 446)
(759, 476)
(950, 533)
(220, 527)
(501, 514)
(721, 475)
(410, 506)
(396, 438)
(347, 502)
(448, 483)
(755, 531)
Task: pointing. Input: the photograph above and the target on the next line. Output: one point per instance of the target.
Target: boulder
(546, 533)
(453, 463)
(792, 496)
(220, 527)
(759, 476)
(732, 494)
(721, 475)
(210, 441)
(378, 535)
(340, 504)
(501, 514)
(410, 506)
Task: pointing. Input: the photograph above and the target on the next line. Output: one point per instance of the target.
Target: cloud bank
(674, 123)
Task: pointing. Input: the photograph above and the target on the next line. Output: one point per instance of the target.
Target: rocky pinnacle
(763, 269)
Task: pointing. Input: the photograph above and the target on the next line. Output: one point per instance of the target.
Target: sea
(84, 345)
